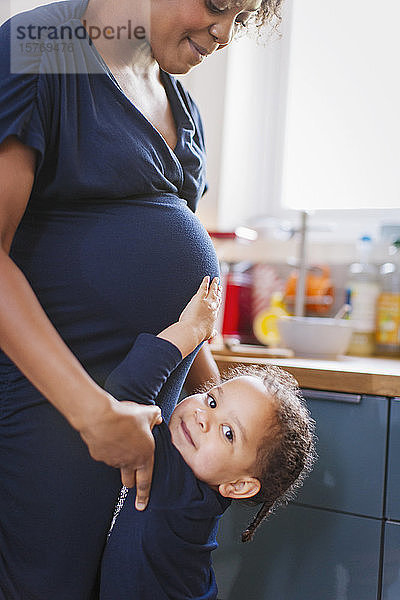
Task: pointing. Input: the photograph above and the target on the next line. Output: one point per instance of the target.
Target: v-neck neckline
(170, 89)
(115, 83)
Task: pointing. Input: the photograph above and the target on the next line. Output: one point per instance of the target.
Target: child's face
(219, 432)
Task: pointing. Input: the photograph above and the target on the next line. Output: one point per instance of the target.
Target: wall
(207, 84)
(239, 94)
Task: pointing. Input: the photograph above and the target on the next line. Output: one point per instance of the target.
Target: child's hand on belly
(197, 320)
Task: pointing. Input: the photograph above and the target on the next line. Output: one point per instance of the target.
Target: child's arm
(197, 320)
(147, 366)
(204, 369)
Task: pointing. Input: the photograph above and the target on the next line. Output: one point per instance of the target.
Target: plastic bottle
(265, 323)
(388, 307)
(363, 291)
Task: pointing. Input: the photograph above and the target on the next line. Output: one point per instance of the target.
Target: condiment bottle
(388, 307)
(363, 291)
(265, 322)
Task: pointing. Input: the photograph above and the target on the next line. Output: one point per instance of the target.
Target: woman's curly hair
(269, 13)
(266, 19)
(287, 453)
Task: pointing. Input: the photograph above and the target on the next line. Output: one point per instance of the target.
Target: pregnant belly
(115, 270)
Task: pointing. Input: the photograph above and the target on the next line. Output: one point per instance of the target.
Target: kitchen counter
(352, 374)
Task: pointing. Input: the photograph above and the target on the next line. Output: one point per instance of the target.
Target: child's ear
(240, 489)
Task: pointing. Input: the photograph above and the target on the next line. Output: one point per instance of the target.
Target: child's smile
(218, 433)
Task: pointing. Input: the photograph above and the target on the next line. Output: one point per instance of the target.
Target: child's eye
(228, 433)
(211, 402)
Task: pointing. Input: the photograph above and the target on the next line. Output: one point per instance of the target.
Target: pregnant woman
(102, 163)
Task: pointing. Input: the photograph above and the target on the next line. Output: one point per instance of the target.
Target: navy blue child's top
(162, 553)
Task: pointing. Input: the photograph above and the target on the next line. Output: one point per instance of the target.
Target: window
(341, 147)
(311, 120)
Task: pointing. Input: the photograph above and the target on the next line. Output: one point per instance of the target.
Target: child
(250, 437)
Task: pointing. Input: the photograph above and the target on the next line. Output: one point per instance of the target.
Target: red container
(237, 321)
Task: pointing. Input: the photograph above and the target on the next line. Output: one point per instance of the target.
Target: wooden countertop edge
(318, 378)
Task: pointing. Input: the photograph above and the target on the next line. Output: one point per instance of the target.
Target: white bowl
(316, 337)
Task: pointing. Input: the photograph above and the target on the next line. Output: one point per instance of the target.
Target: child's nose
(202, 419)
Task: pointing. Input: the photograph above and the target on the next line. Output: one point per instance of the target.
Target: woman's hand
(201, 313)
(121, 436)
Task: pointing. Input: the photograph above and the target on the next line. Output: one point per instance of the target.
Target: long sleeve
(144, 370)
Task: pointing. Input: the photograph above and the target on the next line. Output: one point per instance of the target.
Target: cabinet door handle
(332, 396)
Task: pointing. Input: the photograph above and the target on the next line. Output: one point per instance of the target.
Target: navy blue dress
(164, 552)
(112, 248)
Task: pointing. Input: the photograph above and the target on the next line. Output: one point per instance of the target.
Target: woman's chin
(175, 64)
(175, 67)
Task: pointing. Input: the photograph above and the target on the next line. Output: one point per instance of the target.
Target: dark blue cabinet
(391, 562)
(301, 554)
(391, 555)
(393, 484)
(327, 546)
(349, 475)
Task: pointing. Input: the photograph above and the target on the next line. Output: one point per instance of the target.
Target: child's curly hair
(287, 453)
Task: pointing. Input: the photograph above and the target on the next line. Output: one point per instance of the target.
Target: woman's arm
(117, 434)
